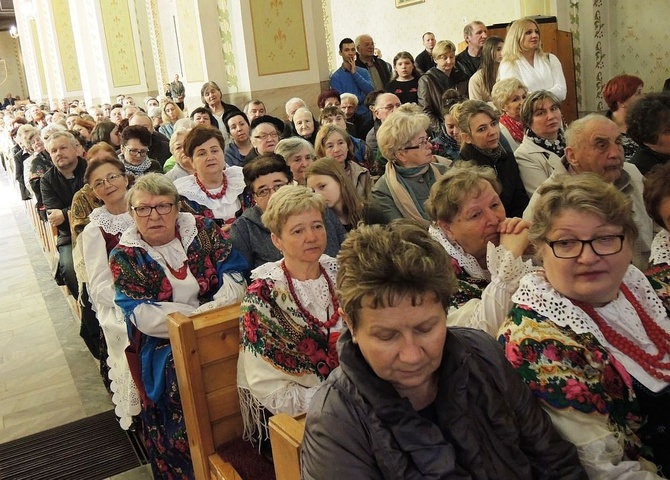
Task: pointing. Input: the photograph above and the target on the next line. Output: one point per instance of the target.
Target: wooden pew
(205, 349)
(286, 434)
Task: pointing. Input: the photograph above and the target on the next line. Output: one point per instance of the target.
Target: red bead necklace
(213, 196)
(652, 364)
(311, 319)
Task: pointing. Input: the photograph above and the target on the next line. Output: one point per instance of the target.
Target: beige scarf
(402, 198)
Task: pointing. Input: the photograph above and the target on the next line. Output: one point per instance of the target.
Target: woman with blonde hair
(327, 178)
(171, 113)
(507, 96)
(411, 168)
(290, 314)
(439, 79)
(524, 59)
(589, 335)
(481, 83)
(480, 133)
(334, 142)
(486, 247)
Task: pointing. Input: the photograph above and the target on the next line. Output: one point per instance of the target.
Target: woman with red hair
(620, 93)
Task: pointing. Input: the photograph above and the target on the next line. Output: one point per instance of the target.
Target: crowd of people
(450, 280)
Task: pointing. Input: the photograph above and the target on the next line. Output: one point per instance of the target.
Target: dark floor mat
(89, 449)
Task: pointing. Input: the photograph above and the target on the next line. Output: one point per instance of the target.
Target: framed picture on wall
(406, 3)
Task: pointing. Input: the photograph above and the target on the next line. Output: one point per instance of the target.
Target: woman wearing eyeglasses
(214, 190)
(411, 168)
(589, 335)
(135, 143)
(168, 262)
(107, 178)
(265, 134)
(263, 176)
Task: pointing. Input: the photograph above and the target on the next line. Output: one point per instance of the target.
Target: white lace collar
(465, 260)
(537, 293)
(273, 271)
(188, 187)
(660, 248)
(185, 225)
(110, 223)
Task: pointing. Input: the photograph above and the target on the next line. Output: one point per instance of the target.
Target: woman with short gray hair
(168, 262)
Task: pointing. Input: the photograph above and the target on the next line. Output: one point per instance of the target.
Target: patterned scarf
(515, 127)
(556, 146)
(138, 170)
(494, 154)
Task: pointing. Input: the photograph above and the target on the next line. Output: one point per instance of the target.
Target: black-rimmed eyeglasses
(573, 248)
(145, 210)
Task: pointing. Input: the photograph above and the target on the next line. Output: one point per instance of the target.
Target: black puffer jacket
(489, 424)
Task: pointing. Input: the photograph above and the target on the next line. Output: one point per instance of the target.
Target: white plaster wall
(397, 29)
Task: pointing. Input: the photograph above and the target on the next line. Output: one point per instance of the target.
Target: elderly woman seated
(543, 145)
(299, 155)
(264, 175)
(167, 262)
(485, 247)
(290, 315)
(508, 96)
(657, 202)
(413, 399)
(589, 335)
(183, 164)
(213, 190)
(411, 168)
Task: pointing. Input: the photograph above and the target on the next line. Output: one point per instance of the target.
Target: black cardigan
(513, 195)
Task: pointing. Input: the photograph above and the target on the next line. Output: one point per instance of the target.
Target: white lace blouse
(504, 272)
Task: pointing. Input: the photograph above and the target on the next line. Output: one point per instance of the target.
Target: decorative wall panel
(66, 48)
(279, 36)
(120, 43)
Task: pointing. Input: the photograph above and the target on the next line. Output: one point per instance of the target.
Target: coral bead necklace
(213, 196)
(311, 319)
(652, 364)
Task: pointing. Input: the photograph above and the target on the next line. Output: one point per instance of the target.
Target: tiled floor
(47, 376)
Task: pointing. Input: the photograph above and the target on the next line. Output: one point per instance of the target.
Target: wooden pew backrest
(205, 349)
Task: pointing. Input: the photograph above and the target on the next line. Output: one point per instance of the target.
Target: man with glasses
(385, 104)
(593, 144)
(263, 176)
(160, 144)
(135, 145)
(58, 186)
(265, 135)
